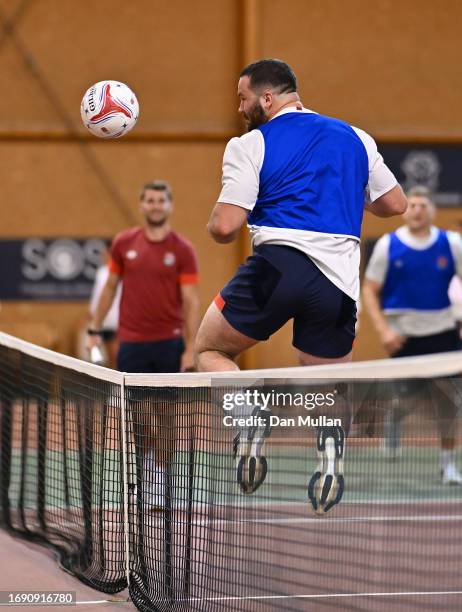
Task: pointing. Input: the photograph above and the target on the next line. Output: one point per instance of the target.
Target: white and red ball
(109, 109)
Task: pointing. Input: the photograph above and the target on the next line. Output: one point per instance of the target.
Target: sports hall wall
(391, 67)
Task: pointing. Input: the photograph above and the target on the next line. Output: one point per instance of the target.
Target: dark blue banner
(437, 167)
(49, 269)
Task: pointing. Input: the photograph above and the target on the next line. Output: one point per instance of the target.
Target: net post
(125, 479)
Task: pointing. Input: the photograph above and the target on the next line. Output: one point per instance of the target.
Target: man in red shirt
(159, 310)
(158, 321)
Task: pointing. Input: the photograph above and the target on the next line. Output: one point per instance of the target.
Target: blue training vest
(418, 279)
(313, 177)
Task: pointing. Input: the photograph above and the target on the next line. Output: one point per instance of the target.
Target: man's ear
(268, 98)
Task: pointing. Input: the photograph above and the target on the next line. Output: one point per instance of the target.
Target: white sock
(154, 474)
(447, 458)
(258, 437)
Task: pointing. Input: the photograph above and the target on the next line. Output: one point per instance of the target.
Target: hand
(392, 340)
(188, 361)
(91, 341)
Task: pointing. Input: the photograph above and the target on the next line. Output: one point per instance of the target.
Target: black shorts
(278, 283)
(443, 342)
(162, 356)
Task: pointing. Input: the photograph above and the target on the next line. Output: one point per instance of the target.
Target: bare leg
(342, 408)
(218, 343)
(217, 346)
(445, 401)
(159, 430)
(306, 359)
(325, 489)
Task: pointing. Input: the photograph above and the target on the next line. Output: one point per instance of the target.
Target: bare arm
(392, 203)
(225, 222)
(190, 298)
(391, 340)
(102, 308)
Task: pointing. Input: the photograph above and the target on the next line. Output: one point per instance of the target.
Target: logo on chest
(131, 255)
(169, 259)
(442, 262)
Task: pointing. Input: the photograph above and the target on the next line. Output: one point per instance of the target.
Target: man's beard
(156, 222)
(255, 117)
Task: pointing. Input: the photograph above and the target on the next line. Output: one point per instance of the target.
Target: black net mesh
(196, 540)
(61, 465)
(394, 540)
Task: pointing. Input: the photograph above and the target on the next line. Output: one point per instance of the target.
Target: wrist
(92, 331)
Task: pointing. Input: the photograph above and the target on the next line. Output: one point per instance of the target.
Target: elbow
(395, 210)
(400, 206)
(221, 232)
(390, 204)
(390, 208)
(397, 205)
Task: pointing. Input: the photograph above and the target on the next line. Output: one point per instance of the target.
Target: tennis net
(131, 479)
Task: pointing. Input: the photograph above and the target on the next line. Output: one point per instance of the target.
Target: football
(109, 109)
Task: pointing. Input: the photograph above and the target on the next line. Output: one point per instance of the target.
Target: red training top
(152, 272)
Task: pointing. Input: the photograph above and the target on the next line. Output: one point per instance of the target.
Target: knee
(202, 349)
(305, 359)
(201, 346)
(206, 343)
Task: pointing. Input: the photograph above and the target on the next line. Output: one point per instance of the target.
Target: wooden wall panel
(389, 66)
(25, 106)
(49, 189)
(179, 57)
(53, 183)
(61, 321)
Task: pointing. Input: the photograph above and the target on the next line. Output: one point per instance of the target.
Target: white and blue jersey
(305, 178)
(414, 274)
(418, 279)
(313, 176)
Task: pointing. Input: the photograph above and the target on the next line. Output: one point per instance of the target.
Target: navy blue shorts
(444, 342)
(161, 356)
(278, 283)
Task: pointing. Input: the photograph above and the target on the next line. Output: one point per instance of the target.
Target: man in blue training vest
(406, 294)
(301, 181)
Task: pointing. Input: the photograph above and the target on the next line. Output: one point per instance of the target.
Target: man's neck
(157, 233)
(292, 99)
(422, 232)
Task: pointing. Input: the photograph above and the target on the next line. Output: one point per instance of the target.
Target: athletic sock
(153, 475)
(447, 458)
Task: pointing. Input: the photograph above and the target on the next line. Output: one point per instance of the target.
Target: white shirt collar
(296, 107)
(417, 242)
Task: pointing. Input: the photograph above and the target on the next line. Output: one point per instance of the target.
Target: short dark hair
(271, 72)
(157, 186)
